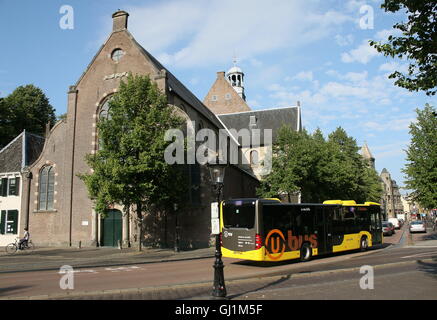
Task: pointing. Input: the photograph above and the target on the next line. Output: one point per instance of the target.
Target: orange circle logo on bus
(272, 248)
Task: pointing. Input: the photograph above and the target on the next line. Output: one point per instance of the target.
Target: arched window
(46, 188)
(104, 114)
(104, 110)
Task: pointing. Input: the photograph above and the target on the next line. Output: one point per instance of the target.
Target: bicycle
(14, 247)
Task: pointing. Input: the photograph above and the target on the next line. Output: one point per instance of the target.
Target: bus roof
(350, 203)
(277, 201)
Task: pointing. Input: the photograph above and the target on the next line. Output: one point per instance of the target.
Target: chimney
(119, 20)
(220, 74)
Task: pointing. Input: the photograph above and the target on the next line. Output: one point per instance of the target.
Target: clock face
(117, 54)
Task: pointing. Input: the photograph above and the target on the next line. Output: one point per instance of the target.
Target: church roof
(175, 85)
(263, 119)
(20, 152)
(180, 89)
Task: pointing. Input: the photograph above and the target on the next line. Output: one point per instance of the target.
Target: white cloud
(336, 90)
(344, 40)
(304, 76)
(383, 35)
(356, 77)
(363, 54)
(393, 66)
(386, 124)
(202, 32)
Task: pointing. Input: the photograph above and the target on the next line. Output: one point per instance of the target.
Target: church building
(227, 99)
(55, 202)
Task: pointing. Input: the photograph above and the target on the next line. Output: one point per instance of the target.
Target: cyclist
(25, 240)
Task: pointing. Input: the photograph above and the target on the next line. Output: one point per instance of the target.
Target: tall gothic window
(46, 188)
(104, 114)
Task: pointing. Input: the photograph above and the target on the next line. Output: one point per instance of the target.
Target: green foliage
(320, 169)
(129, 167)
(418, 43)
(27, 108)
(421, 167)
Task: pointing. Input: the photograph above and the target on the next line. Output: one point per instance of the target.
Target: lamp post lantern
(217, 172)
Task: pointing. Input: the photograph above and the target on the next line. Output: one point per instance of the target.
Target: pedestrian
(23, 242)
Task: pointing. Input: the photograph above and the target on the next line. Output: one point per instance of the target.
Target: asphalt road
(399, 273)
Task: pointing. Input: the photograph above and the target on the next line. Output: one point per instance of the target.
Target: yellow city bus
(268, 230)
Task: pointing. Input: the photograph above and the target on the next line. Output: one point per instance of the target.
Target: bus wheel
(305, 252)
(364, 244)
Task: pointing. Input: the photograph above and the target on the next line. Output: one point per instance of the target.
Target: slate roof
(264, 119)
(12, 158)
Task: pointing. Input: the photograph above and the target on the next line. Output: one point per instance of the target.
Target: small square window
(214, 98)
(228, 96)
(13, 186)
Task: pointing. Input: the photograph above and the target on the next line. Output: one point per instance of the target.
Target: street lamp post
(217, 172)
(176, 233)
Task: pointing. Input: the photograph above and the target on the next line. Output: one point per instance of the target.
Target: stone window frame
(46, 208)
(99, 109)
(119, 57)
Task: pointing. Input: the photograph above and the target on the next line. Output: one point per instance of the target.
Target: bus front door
(324, 227)
(375, 225)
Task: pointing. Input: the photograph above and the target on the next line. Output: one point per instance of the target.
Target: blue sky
(314, 51)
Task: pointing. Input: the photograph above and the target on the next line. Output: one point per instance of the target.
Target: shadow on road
(282, 279)
(273, 264)
(429, 267)
(5, 291)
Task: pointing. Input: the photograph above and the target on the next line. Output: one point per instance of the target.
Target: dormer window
(117, 54)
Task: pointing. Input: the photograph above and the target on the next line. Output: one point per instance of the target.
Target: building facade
(59, 209)
(391, 202)
(14, 160)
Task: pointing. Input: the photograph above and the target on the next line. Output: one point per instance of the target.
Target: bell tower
(235, 77)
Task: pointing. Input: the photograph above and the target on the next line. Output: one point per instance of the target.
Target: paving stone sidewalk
(52, 258)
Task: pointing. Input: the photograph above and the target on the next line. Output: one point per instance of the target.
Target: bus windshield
(236, 215)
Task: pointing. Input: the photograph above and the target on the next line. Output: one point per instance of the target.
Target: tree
(421, 167)
(129, 167)
(26, 108)
(291, 161)
(319, 169)
(417, 43)
(6, 129)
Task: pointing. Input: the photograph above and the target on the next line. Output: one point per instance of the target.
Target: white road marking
(131, 268)
(421, 255)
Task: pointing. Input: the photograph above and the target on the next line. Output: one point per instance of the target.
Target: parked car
(388, 228)
(417, 226)
(395, 222)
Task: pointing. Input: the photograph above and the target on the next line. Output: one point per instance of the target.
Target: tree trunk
(140, 226)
